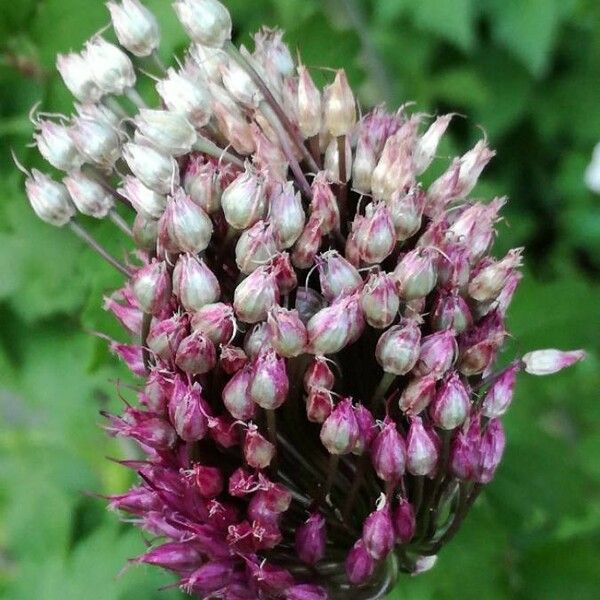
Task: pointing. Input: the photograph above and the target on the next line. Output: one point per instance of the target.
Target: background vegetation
(528, 72)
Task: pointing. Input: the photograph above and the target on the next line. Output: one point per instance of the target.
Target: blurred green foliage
(527, 72)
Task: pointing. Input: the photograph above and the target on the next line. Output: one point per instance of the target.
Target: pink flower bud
(242, 483)
(255, 247)
(416, 273)
(426, 147)
(188, 410)
(337, 276)
(56, 145)
(175, 556)
(340, 431)
(378, 531)
(136, 27)
(210, 577)
(146, 428)
(154, 169)
(216, 321)
(451, 404)
(499, 395)
(438, 352)
(256, 340)
(450, 311)
(546, 362)
(97, 141)
(417, 395)
(288, 332)
(329, 329)
(236, 398)
(491, 450)
(131, 355)
(151, 286)
(388, 453)
(166, 335)
(109, 66)
(332, 160)
(318, 375)
(168, 131)
(269, 384)
(405, 522)
(207, 22)
(50, 200)
(208, 480)
(308, 244)
(489, 281)
(268, 155)
(306, 592)
(76, 75)
(258, 452)
(284, 273)
(359, 564)
(454, 269)
(234, 127)
(156, 392)
(319, 404)
(464, 450)
(194, 283)
(339, 106)
(224, 431)
(147, 202)
(323, 206)
(196, 354)
(232, 359)
(421, 449)
(201, 182)
(480, 344)
(244, 202)
(255, 296)
(399, 348)
(88, 195)
(367, 429)
(274, 497)
(136, 501)
(287, 216)
(311, 539)
(309, 104)
(376, 237)
(356, 318)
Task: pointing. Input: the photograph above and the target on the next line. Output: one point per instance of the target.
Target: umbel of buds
(314, 333)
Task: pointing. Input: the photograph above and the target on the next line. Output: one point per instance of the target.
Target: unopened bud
(207, 22)
(136, 27)
(379, 300)
(311, 539)
(146, 202)
(97, 141)
(464, 450)
(255, 296)
(324, 206)
(156, 170)
(340, 106)
(208, 480)
(405, 522)
(328, 329)
(340, 431)
(243, 201)
(333, 160)
(288, 332)
(319, 404)
(438, 352)
(57, 147)
(376, 237)
(151, 286)
(233, 125)
(388, 453)
(201, 182)
(236, 398)
(367, 430)
(77, 76)
(194, 283)
(182, 94)
(196, 354)
(109, 66)
(166, 335)
(359, 564)
(488, 283)
(450, 311)
(187, 411)
(88, 195)
(499, 395)
(416, 273)
(309, 104)
(546, 362)
(216, 321)
(240, 85)
(398, 348)
(284, 273)
(167, 131)
(337, 276)
(287, 216)
(258, 452)
(257, 340)
(318, 375)
(308, 244)
(365, 161)
(491, 450)
(406, 211)
(378, 531)
(269, 384)
(426, 147)
(232, 359)
(49, 199)
(421, 449)
(255, 247)
(417, 395)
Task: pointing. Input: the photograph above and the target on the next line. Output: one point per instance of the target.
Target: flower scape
(313, 331)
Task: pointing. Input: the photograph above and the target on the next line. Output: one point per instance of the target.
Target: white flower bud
(243, 201)
(239, 84)
(168, 131)
(77, 76)
(332, 160)
(156, 170)
(549, 361)
(309, 104)
(97, 141)
(365, 161)
(255, 247)
(426, 147)
(146, 202)
(57, 147)
(340, 107)
(328, 329)
(180, 93)
(98, 112)
(110, 67)
(194, 283)
(207, 22)
(376, 236)
(136, 27)
(201, 182)
(209, 60)
(88, 195)
(255, 296)
(287, 216)
(49, 199)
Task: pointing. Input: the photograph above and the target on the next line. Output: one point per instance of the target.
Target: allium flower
(314, 333)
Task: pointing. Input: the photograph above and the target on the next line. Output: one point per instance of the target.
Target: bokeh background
(528, 73)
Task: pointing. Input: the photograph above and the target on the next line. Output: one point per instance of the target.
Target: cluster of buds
(314, 332)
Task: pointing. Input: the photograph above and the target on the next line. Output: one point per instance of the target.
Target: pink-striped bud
(438, 352)
(216, 321)
(339, 106)
(136, 27)
(154, 169)
(234, 127)
(417, 395)
(255, 247)
(196, 354)
(174, 556)
(451, 404)
(416, 273)
(450, 311)
(256, 295)
(287, 216)
(356, 318)
(329, 329)
(324, 206)
(57, 146)
(337, 276)
(309, 104)
(207, 22)
(168, 131)
(489, 281)
(194, 283)
(399, 348)
(546, 362)
(49, 199)
(156, 392)
(269, 384)
(257, 340)
(376, 237)
(110, 67)
(421, 449)
(97, 141)
(406, 211)
(151, 286)
(188, 411)
(426, 147)
(288, 332)
(88, 195)
(464, 450)
(236, 398)
(388, 453)
(319, 404)
(359, 564)
(367, 429)
(340, 431)
(491, 450)
(311, 539)
(378, 531)
(208, 480)
(308, 244)
(244, 202)
(480, 344)
(284, 273)
(232, 359)
(454, 269)
(166, 335)
(201, 182)
(499, 395)
(318, 375)
(76, 74)
(405, 522)
(258, 452)
(146, 202)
